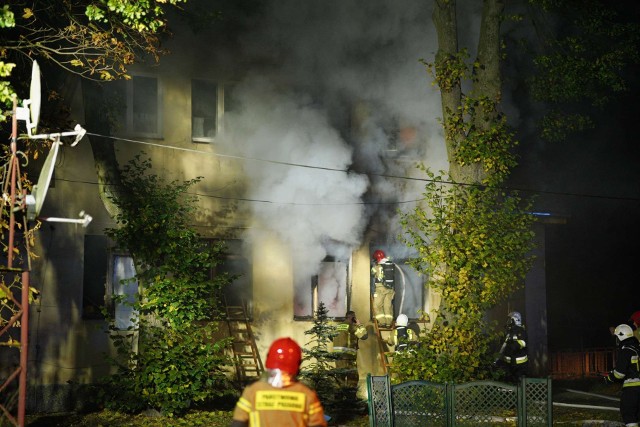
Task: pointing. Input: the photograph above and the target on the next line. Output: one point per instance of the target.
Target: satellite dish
(39, 192)
(30, 113)
(35, 96)
(30, 110)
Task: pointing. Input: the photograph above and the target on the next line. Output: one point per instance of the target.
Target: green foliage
(94, 39)
(558, 125)
(6, 17)
(6, 91)
(319, 372)
(477, 131)
(473, 244)
(316, 352)
(448, 71)
(490, 145)
(141, 15)
(178, 360)
(472, 239)
(586, 65)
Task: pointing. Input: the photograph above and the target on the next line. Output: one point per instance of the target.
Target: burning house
(306, 125)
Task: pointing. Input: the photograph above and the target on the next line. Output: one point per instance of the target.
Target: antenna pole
(21, 306)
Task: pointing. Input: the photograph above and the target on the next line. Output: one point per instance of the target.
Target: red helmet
(284, 354)
(635, 318)
(379, 255)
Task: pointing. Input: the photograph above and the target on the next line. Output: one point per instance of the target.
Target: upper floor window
(139, 105)
(209, 102)
(207, 107)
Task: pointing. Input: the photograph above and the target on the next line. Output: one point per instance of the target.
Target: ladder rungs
(247, 359)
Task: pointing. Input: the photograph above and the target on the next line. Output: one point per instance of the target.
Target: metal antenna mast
(21, 208)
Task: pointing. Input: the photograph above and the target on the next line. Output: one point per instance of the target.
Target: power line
(347, 171)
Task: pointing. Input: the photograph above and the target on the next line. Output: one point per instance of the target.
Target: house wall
(67, 348)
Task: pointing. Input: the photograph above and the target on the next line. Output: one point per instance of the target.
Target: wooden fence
(579, 364)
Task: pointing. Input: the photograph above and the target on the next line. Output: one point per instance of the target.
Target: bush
(170, 359)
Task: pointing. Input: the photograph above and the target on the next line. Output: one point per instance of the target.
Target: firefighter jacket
(627, 370)
(401, 338)
(262, 405)
(346, 340)
(384, 274)
(515, 346)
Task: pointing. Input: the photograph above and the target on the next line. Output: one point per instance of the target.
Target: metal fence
(478, 403)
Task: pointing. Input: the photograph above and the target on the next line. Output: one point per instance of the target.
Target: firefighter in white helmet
(514, 359)
(383, 273)
(402, 336)
(627, 372)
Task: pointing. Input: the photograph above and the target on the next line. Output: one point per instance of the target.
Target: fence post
(379, 399)
(549, 402)
(522, 402)
(450, 404)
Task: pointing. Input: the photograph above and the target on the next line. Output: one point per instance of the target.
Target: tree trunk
(446, 24)
(487, 81)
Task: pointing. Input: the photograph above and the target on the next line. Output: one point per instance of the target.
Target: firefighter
(627, 372)
(513, 354)
(279, 400)
(402, 336)
(345, 345)
(383, 272)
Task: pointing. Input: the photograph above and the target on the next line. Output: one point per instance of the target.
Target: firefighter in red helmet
(279, 400)
(383, 273)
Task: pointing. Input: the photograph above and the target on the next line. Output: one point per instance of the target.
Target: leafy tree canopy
(585, 59)
(95, 39)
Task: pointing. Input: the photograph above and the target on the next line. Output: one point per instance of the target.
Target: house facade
(303, 181)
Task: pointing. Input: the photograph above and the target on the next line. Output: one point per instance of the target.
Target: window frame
(219, 112)
(110, 288)
(96, 251)
(129, 128)
(315, 291)
(233, 254)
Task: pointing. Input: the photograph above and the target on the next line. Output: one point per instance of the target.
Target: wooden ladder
(386, 355)
(245, 351)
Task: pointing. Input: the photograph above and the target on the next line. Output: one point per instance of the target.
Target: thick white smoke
(336, 78)
(308, 207)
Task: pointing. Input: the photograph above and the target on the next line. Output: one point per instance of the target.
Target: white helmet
(402, 320)
(622, 332)
(515, 317)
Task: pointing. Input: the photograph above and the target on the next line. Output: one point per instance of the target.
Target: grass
(562, 416)
(114, 419)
